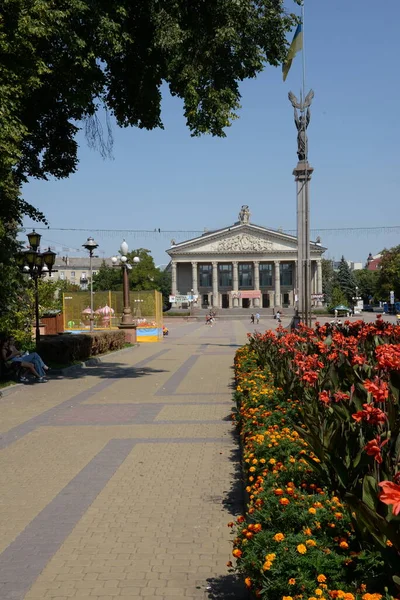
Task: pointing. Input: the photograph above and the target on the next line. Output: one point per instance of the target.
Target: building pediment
(238, 239)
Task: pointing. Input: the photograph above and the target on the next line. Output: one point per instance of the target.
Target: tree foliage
(144, 275)
(367, 283)
(389, 273)
(345, 280)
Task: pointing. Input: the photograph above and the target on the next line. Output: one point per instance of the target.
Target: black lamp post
(122, 260)
(35, 264)
(91, 246)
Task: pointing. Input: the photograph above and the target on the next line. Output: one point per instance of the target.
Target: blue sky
(166, 179)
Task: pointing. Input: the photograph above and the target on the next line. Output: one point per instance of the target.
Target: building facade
(243, 265)
(77, 270)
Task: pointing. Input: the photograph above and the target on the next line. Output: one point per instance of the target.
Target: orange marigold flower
(267, 565)
(311, 543)
(278, 492)
(284, 501)
(229, 563)
(240, 519)
(292, 581)
(301, 549)
(307, 531)
(389, 544)
(344, 545)
(287, 598)
(372, 597)
(237, 553)
(318, 592)
(247, 582)
(279, 537)
(321, 578)
(231, 524)
(312, 511)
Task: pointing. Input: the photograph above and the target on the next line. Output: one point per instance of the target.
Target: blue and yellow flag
(295, 47)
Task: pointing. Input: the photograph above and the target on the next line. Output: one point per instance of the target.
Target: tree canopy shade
(389, 273)
(63, 60)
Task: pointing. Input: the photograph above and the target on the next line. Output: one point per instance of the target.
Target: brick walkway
(118, 481)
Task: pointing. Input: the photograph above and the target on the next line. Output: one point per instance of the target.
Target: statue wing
(293, 100)
(308, 99)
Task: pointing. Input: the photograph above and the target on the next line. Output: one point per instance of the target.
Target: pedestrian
(252, 319)
(278, 316)
(258, 318)
(29, 361)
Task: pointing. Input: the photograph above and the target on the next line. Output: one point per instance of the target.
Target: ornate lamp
(91, 246)
(49, 259)
(34, 240)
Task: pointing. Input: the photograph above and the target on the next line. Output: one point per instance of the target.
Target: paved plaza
(118, 480)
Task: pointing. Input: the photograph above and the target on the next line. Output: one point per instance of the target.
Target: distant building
(77, 270)
(242, 265)
(354, 266)
(374, 262)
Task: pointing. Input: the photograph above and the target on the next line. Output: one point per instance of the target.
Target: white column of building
(195, 287)
(235, 282)
(319, 280)
(173, 278)
(215, 285)
(277, 284)
(256, 268)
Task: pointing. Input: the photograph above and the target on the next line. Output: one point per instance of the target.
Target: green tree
(107, 278)
(389, 274)
(163, 284)
(367, 282)
(328, 279)
(65, 63)
(338, 297)
(345, 280)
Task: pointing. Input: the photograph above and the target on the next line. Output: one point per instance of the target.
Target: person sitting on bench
(30, 362)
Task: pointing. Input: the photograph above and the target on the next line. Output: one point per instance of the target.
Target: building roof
(67, 262)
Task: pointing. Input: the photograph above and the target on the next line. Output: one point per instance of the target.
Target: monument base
(129, 331)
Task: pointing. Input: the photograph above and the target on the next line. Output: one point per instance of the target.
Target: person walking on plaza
(258, 318)
(252, 319)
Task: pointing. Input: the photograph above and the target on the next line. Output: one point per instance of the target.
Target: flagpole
(306, 208)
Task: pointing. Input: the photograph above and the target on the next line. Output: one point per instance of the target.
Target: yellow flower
(247, 582)
(311, 543)
(279, 537)
(270, 557)
(312, 511)
(344, 545)
(318, 592)
(252, 469)
(301, 549)
(287, 598)
(321, 578)
(267, 565)
(389, 544)
(272, 461)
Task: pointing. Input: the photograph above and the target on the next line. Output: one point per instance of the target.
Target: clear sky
(166, 179)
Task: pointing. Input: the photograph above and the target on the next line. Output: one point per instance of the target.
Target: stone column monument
(302, 174)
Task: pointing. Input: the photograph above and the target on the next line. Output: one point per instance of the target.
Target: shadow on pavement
(226, 587)
(105, 370)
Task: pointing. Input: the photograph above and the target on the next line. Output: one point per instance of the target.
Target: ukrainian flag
(295, 47)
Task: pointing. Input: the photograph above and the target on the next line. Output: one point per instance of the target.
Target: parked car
(368, 308)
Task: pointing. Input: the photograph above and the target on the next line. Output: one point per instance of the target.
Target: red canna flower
(370, 414)
(378, 389)
(390, 495)
(374, 447)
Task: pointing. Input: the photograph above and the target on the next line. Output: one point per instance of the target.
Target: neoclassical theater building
(242, 265)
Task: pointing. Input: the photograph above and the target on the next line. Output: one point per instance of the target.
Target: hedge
(67, 348)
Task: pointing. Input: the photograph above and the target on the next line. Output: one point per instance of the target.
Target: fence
(146, 309)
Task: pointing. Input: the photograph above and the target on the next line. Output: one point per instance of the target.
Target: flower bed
(319, 422)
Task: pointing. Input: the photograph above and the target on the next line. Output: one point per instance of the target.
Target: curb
(10, 389)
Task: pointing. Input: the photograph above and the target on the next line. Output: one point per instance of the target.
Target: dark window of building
(245, 275)
(286, 274)
(205, 275)
(225, 275)
(265, 275)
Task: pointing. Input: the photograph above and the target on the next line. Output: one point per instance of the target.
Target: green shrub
(67, 348)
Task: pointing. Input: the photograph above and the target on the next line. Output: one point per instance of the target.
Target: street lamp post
(122, 261)
(35, 264)
(91, 246)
